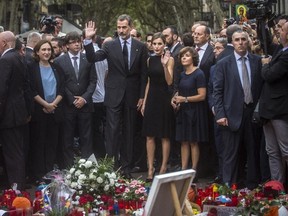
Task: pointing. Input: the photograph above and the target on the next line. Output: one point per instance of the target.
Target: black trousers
(98, 130)
(120, 134)
(235, 145)
(14, 155)
(77, 123)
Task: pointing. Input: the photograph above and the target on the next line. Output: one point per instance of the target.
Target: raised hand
(90, 30)
(165, 58)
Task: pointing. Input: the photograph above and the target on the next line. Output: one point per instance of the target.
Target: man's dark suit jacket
(29, 55)
(207, 61)
(13, 89)
(228, 93)
(37, 89)
(226, 52)
(84, 86)
(229, 49)
(119, 85)
(273, 103)
(178, 68)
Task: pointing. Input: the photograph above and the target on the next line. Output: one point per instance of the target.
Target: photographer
(273, 107)
(52, 25)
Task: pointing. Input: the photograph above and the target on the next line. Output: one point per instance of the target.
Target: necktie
(75, 65)
(246, 84)
(125, 56)
(197, 49)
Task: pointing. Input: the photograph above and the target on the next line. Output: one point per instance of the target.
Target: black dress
(158, 114)
(191, 120)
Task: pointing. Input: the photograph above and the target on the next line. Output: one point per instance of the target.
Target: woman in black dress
(191, 120)
(156, 110)
(47, 86)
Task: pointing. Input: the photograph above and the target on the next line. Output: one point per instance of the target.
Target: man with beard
(124, 88)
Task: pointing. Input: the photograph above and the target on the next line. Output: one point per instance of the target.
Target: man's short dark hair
(72, 36)
(125, 17)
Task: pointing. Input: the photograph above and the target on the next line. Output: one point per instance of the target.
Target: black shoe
(135, 169)
(217, 180)
(149, 180)
(127, 176)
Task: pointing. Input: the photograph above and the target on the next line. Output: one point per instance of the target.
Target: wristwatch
(186, 100)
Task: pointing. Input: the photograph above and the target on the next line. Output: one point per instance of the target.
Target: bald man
(13, 111)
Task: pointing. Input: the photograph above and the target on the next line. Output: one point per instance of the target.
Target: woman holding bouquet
(47, 86)
(191, 120)
(156, 110)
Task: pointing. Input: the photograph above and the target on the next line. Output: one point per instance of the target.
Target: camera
(260, 9)
(48, 24)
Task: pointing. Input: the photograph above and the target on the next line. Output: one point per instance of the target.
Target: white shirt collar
(237, 56)
(71, 55)
(129, 40)
(204, 47)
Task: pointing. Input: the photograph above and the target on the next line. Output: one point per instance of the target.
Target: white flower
(80, 181)
(80, 192)
(78, 172)
(68, 182)
(72, 170)
(92, 176)
(99, 180)
(73, 184)
(77, 197)
(68, 176)
(93, 186)
(106, 188)
(82, 177)
(81, 161)
(112, 182)
(113, 175)
(88, 164)
(79, 187)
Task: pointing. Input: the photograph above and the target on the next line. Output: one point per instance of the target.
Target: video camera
(48, 24)
(260, 9)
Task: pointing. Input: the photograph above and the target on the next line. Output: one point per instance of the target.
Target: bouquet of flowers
(135, 190)
(93, 181)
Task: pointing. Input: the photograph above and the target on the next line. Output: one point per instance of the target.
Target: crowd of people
(212, 101)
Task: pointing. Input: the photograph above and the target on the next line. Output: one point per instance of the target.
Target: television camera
(48, 24)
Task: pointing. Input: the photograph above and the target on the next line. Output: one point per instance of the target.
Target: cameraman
(52, 25)
(273, 106)
(58, 27)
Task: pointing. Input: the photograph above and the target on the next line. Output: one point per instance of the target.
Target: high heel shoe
(149, 179)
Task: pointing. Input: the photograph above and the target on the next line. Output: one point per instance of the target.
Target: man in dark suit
(273, 107)
(171, 39)
(32, 39)
(201, 37)
(13, 109)
(237, 87)
(80, 83)
(205, 50)
(124, 87)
